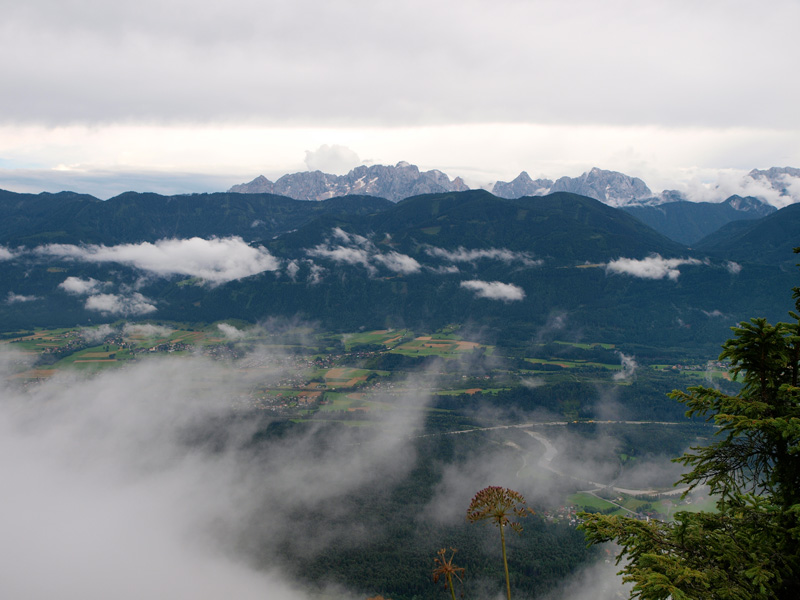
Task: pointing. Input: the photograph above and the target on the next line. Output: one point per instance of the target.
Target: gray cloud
(217, 260)
(178, 47)
(494, 290)
(652, 267)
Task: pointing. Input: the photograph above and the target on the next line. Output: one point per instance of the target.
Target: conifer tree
(749, 548)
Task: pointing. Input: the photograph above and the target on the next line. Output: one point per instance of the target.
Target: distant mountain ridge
(778, 186)
(690, 222)
(393, 183)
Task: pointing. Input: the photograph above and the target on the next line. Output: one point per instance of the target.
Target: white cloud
(78, 286)
(147, 330)
(97, 334)
(729, 182)
(350, 238)
(230, 332)
(360, 251)
(5, 253)
(628, 367)
(292, 268)
(13, 298)
(144, 507)
(734, 268)
(445, 270)
(335, 159)
(315, 273)
(114, 304)
(464, 255)
(342, 255)
(217, 260)
(652, 267)
(399, 263)
(494, 290)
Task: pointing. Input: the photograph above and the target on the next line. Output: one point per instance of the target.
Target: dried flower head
(445, 566)
(498, 504)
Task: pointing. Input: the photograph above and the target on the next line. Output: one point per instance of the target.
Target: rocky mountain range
(393, 183)
(778, 186)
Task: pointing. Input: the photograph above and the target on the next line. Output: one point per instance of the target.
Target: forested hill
(562, 227)
(513, 268)
(769, 240)
(132, 217)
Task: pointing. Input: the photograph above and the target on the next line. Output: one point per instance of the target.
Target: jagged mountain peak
(611, 187)
(394, 183)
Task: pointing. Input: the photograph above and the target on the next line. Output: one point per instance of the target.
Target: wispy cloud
(463, 255)
(629, 367)
(494, 290)
(652, 267)
(147, 330)
(356, 250)
(217, 260)
(13, 298)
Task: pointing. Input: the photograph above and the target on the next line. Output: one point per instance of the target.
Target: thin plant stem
(450, 585)
(505, 561)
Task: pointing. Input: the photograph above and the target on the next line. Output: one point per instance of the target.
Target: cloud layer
(140, 507)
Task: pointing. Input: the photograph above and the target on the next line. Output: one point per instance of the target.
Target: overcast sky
(178, 96)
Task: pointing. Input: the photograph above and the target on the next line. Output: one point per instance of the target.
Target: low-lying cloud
(733, 268)
(78, 286)
(471, 256)
(652, 267)
(5, 253)
(216, 261)
(628, 369)
(160, 500)
(13, 298)
(494, 290)
(358, 251)
(230, 332)
(128, 303)
(146, 330)
(133, 305)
